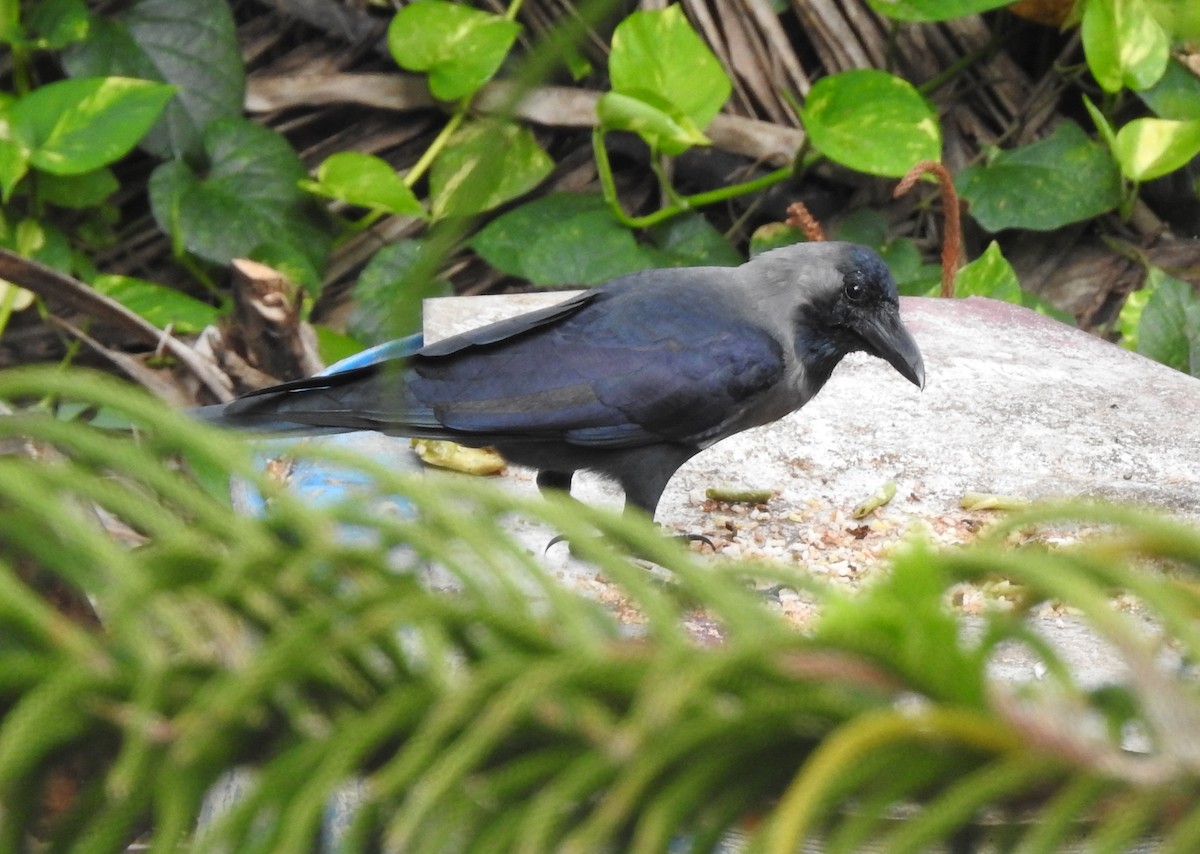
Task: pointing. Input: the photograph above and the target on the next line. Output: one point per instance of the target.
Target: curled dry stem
(952, 238)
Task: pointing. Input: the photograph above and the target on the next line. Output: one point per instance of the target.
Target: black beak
(887, 338)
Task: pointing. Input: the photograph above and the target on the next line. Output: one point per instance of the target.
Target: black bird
(629, 379)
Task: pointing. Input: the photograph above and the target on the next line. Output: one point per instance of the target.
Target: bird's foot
(697, 538)
(685, 538)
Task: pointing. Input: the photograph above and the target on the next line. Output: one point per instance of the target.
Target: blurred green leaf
(85, 190)
(665, 129)
(1176, 95)
(1180, 18)
(1169, 330)
(876, 624)
(871, 121)
(388, 296)
(989, 275)
(486, 164)
(14, 164)
(933, 10)
(248, 197)
(301, 642)
(692, 241)
(366, 181)
(191, 44)
(1103, 126)
(773, 235)
(1064, 178)
(460, 48)
(13, 298)
(40, 240)
(333, 346)
(58, 23)
(561, 239)
(10, 23)
(1124, 44)
(657, 53)
(1130, 317)
(160, 305)
(1150, 148)
(74, 126)
(867, 226)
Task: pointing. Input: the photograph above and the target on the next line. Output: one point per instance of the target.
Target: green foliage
(1124, 43)
(509, 713)
(459, 47)
(166, 76)
(664, 127)
(485, 164)
(190, 44)
(247, 200)
(989, 275)
(366, 181)
(162, 306)
(530, 242)
(55, 24)
(76, 126)
(666, 83)
(1169, 325)
(1062, 179)
(932, 10)
(1176, 95)
(388, 294)
(227, 188)
(871, 121)
(1151, 148)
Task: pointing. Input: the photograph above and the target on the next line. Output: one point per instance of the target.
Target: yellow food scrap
(879, 498)
(451, 455)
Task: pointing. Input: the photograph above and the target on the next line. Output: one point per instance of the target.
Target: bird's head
(848, 303)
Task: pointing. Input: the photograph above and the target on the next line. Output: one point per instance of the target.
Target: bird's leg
(555, 481)
(560, 480)
(643, 493)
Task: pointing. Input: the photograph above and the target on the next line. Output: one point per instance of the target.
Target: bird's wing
(623, 369)
(509, 328)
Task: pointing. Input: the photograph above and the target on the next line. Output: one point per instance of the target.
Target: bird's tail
(373, 397)
(220, 415)
(325, 403)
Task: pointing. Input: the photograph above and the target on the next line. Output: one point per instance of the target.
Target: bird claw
(687, 538)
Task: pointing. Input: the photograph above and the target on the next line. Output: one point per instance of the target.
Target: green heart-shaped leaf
(249, 197)
(1044, 185)
(364, 180)
(871, 121)
(658, 52)
(74, 126)
(459, 47)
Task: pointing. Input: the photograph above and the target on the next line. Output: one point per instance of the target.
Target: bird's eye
(855, 290)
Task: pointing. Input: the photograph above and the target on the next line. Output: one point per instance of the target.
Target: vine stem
(680, 204)
(439, 143)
